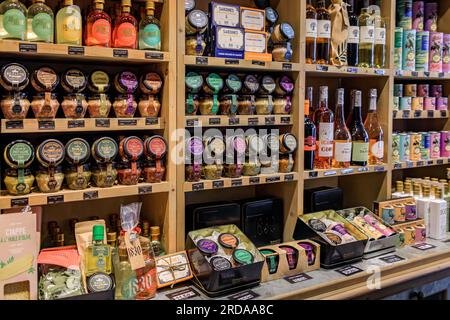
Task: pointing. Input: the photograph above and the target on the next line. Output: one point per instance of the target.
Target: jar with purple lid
(250, 85)
(235, 149)
(309, 252)
(126, 82)
(423, 90)
(436, 90)
(445, 144)
(194, 155)
(207, 247)
(284, 86)
(442, 103)
(291, 256)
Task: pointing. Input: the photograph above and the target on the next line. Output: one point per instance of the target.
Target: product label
(353, 34)
(71, 27)
(101, 31)
(377, 148)
(230, 39)
(380, 36)
(47, 77)
(77, 150)
(42, 25)
(310, 143)
(157, 147)
(343, 151)
(15, 74)
(324, 29)
(252, 20)
(255, 42)
(14, 23)
(134, 249)
(326, 135)
(224, 15)
(360, 151)
(152, 36)
(126, 33)
(52, 151)
(311, 28)
(367, 34)
(20, 153)
(106, 149)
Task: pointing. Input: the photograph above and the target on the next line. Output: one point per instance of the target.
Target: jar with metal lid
(49, 179)
(288, 143)
(155, 148)
(99, 81)
(282, 105)
(19, 154)
(14, 77)
(246, 105)
(104, 175)
(196, 22)
(194, 159)
(189, 5)
(282, 52)
(192, 104)
(78, 176)
(99, 106)
(44, 79)
(45, 105)
(195, 45)
(51, 153)
(74, 106)
(212, 171)
(129, 173)
(105, 150)
(272, 17)
(131, 148)
(229, 104)
(194, 82)
(285, 86)
(214, 147)
(213, 84)
(77, 151)
(18, 181)
(150, 83)
(209, 105)
(126, 82)
(270, 154)
(250, 84)
(282, 32)
(264, 105)
(154, 171)
(267, 85)
(149, 106)
(235, 151)
(232, 84)
(73, 80)
(125, 106)
(15, 106)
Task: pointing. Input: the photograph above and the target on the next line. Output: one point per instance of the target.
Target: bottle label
(311, 28)
(71, 28)
(377, 148)
(360, 151)
(326, 135)
(343, 151)
(14, 23)
(310, 143)
(152, 36)
(42, 25)
(380, 36)
(353, 34)
(126, 34)
(101, 31)
(324, 29)
(367, 34)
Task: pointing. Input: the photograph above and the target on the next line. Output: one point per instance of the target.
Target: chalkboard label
(28, 47)
(127, 123)
(349, 270)
(313, 174)
(258, 63)
(14, 124)
(254, 180)
(379, 72)
(414, 73)
(202, 61)
(75, 51)
(218, 184)
(233, 121)
(198, 186)
(55, 199)
(184, 294)
(302, 277)
(289, 177)
(270, 121)
(236, 183)
(19, 202)
(287, 66)
(145, 189)
(321, 68)
(120, 53)
(397, 166)
(151, 121)
(154, 55)
(392, 259)
(417, 114)
(72, 124)
(424, 246)
(90, 195)
(430, 114)
(285, 120)
(46, 125)
(245, 295)
(273, 179)
(444, 113)
(253, 121)
(102, 123)
(231, 62)
(440, 162)
(192, 123)
(347, 171)
(379, 169)
(406, 114)
(214, 121)
(352, 70)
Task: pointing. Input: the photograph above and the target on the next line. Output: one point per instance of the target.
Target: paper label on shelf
(311, 28)
(360, 151)
(377, 148)
(367, 34)
(134, 249)
(343, 151)
(324, 29)
(353, 34)
(380, 36)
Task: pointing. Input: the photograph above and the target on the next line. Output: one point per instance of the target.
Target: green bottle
(150, 30)
(13, 16)
(40, 22)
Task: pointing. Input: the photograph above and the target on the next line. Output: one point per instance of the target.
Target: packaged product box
(226, 15)
(228, 42)
(256, 46)
(173, 269)
(253, 19)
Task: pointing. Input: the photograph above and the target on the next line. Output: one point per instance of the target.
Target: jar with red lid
(150, 83)
(129, 173)
(131, 149)
(149, 106)
(194, 159)
(155, 150)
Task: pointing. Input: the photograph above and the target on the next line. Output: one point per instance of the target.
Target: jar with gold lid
(288, 146)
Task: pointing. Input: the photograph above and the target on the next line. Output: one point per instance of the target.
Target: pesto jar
(209, 105)
(251, 169)
(18, 181)
(246, 105)
(49, 179)
(77, 151)
(104, 175)
(105, 150)
(213, 84)
(196, 22)
(50, 154)
(78, 176)
(19, 154)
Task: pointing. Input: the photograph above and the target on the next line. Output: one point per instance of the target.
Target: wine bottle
(325, 132)
(360, 138)
(310, 138)
(342, 138)
(373, 128)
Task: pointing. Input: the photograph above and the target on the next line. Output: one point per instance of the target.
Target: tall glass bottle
(342, 138)
(40, 24)
(310, 138)
(125, 28)
(311, 32)
(323, 34)
(366, 38)
(310, 98)
(379, 60)
(69, 24)
(150, 29)
(325, 131)
(98, 254)
(360, 138)
(353, 35)
(98, 26)
(373, 128)
(13, 20)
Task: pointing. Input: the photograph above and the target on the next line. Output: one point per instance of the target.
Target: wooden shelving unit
(238, 121)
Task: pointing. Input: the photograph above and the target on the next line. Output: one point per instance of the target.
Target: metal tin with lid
(196, 22)
(99, 282)
(14, 77)
(243, 257)
(44, 79)
(99, 81)
(19, 154)
(194, 82)
(220, 264)
(131, 148)
(150, 83)
(207, 247)
(105, 150)
(251, 84)
(78, 151)
(228, 241)
(51, 152)
(155, 147)
(126, 82)
(288, 143)
(73, 80)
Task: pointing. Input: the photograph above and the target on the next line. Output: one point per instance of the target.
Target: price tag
(417, 114)
(273, 179)
(202, 61)
(420, 164)
(270, 121)
(258, 63)
(75, 51)
(90, 195)
(330, 173)
(19, 202)
(379, 72)
(444, 114)
(151, 121)
(313, 174)
(302, 277)
(397, 166)
(347, 171)
(349, 270)
(321, 68)
(289, 177)
(219, 184)
(55, 199)
(287, 66)
(414, 73)
(231, 62)
(233, 121)
(192, 123)
(198, 186)
(215, 121)
(285, 120)
(127, 122)
(72, 124)
(392, 259)
(242, 296)
(424, 246)
(253, 121)
(120, 53)
(102, 123)
(379, 169)
(154, 55)
(28, 47)
(399, 73)
(441, 75)
(426, 74)
(430, 162)
(134, 250)
(352, 70)
(184, 294)
(254, 180)
(409, 164)
(236, 183)
(14, 124)
(46, 125)
(440, 162)
(406, 114)
(430, 114)
(145, 189)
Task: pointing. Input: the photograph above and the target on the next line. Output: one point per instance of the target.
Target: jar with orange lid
(150, 83)
(155, 150)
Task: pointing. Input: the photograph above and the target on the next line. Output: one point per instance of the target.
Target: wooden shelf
(325, 70)
(212, 62)
(418, 114)
(31, 50)
(66, 196)
(227, 121)
(420, 75)
(420, 164)
(80, 125)
(239, 182)
(326, 173)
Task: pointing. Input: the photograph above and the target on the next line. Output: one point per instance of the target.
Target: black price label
(399, 73)
(202, 61)
(72, 124)
(46, 125)
(420, 164)
(430, 162)
(379, 72)
(285, 120)
(414, 73)
(352, 70)
(145, 189)
(397, 166)
(409, 164)
(151, 121)
(198, 186)
(302, 277)
(120, 53)
(426, 74)
(236, 183)
(55, 199)
(440, 162)
(430, 114)
(102, 123)
(395, 114)
(75, 51)
(258, 63)
(154, 55)
(192, 123)
(219, 184)
(289, 177)
(444, 113)
(28, 47)
(229, 62)
(349, 270)
(253, 121)
(233, 121)
(330, 173)
(441, 75)
(321, 68)
(19, 202)
(214, 121)
(363, 169)
(406, 114)
(417, 114)
(270, 121)
(392, 259)
(273, 179)
(90, 195)
(254, 180)
(242, 296)
(287, 66)
(424, 246)
(14, 124)
(313, 174)
(347, 171)
(184, 294)
(127, 123)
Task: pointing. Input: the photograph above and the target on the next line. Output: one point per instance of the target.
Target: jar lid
(45, 79)
(74, 80)
(255, 144)
(51, 153)
(220, 264)
(228, 240)
(286, 84)
(198, 19)
(333, 237)
(189, 5)
(272, 141)
(195, 146)
(155, 147)
(126, 82)
(133, 148)
(99, 282)
(272, 15)
(243, 257)
(207, 247)
(214, 82)
(317, 225)
(19, 154)
(151, 82)
(194, 81)
(99, 81)
(78, 151)
(105, 149)
(287, 31)
(251, 83)
(268, 85)
(267, 252)
(289, 141)
(14, 76)
(233, 83)
(215, 145)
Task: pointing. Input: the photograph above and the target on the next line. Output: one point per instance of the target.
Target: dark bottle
(360, 137)
(310, 98)
(311, 32)
(323, 34)
(310, 138)
(353, 34)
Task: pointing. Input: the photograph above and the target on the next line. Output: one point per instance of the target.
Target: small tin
(423, 90)
(425, 146)
(228, 241)
(417, 104)
(398, 50)
(396, 148)
(422, 51)
(405, 103)
(220, 264)
(399, 212)
(398, 90)
(435, 138)
(272, 260)
(243, 257)
(445, 144)
(404, 14)
(410, 90)
(410, 236)
(416, 142)
(436, 90)
(410, 211)
(405, 147)
(429, 103)
(224, 14)
(446, 54)
(291, 256)
(431, 16)
(396, 103)
(442, 103)
(409, 50)
(388, 215)
(401, 234)
(207, 247)
(436, 42)
(418, 11)
(421, 233)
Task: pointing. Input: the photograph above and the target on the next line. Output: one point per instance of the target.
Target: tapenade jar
(235, 148)
(18, 181)
(14, 77)
(196, 22)
(213, 84)
(104, 151)
(282, 52)
(50, 155)
(194, 155)
(246, 105)
(194, 83)
(15, 106)
(270, 157)
(149, 106)
(126, 83)
(99, 104)
(155, 150)
(250, 84)
(288, 146)
(131, 150)
(74, 106)
(150, 83)
(214, 150)
(45, 105)
(254, 147)
(19, 155)
(78, 173)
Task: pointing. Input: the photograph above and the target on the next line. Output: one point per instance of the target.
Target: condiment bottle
(150, 29)
(98, 29)
(13, 16)
(40, 22)
(125, 28)
(69, 24)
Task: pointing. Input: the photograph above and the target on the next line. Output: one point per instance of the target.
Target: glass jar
(155, 147)
(49, 179)
(74, 106)
(124, 106)
(229, 105)
(270, 157)
(288, 143)
(212, 171)
(14, 77)
(233, 84)
(233, 170)
(105, 150)
(192, 104)
(131, 149)
(267, 86)
(193, 172)
(246, 105)
(250, 84)
(282, 105)
(264, 105)
(286, 163)
(272, 17)
(194, 152)
(18, 181)
(104, 175)
(99, 106)
(195, 45)
(45, 105)
(282, 52)
(51, 153)
(44, 79)
(213, 84)
(78, 177)
(126, 82)
(150, 83)
(154, 171)
(283, 32)
(129, 173)
(73, 81)
(209, 105)
(77, 151)
(99, 81)
(194, 82)
(285, 86)
(19, 154)
(15, 106)
(251, 169)
(196, 22)
(149, 106)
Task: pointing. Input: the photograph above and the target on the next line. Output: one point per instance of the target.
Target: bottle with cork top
(150, 29)
(98, 29)
(125, 28)
(155, 233)
(40, 24)
(69, 24)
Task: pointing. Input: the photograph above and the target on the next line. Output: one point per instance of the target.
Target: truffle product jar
(99, 106)
(14, 77)
(73, 81)
(74, 106)
(250, 85)
(288, 143)
(220, 263)
(154, 171)
(150, 83)
(125, 106)
(270, 157)
(282, 52)
(193, 168)
(246, 105)
(282, 32)
(194, 82)
(126, 83)
(212, 171)
(78, 151)
(45, 105)
(104, 175)
(267, 86)
(196, 22)
(291, 256)
(131, 149)
(15, 106)
(78, 176)
(49, 179)
(149, 106)
(209, 105)
(264, 105)
(129, 173)
(282, 105)
(19, 154)
(213, 84)
(229, 104)
(207, 247)
(51, 152)
(99, 81)
(284, 86)
(272, 259)
(242, 257)
(18, 181)
(195, 45)
(44, 79)
(192, 104)
(155, 148)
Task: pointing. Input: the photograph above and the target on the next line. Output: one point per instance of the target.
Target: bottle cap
(111, 237)
(126, 3)
(150, 5)
(306, 107)
(98, 233)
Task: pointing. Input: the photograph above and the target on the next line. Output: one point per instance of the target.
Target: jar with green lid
(74, 106)
(229, 104)
(209, 105)
(149, 106)
(272, 259)
(282, 105)
(250, 84)
(192, 104)
(282, 52)
(73, 80)
(150, 83)
(99, 82)
(19, 154)
(14, 77)
(194, 82)
(15, 106)
(196, 22)
(282, 32)
(78, 176)
(232, 84)
(105, 150)
(104, 175)
(213, 84)
(49, 179)
(125, 106)
(45, 105)
(44, 79)
(129, 173)
(195, 45)
(264, 105)
(242, 257)
(246, 105)
(18, 181)
(99, 106)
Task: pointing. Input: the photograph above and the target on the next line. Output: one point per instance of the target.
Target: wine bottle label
(343, 151)
(152, 36)
(311, 28)
(324, 29)
(310, 143)
(326, 135)
(360, 151)
(14, 23)
(126, 34)
(71, 28)
(377, 148)
(367, 34)
(42, 25)
(353, 34)
(101, 31)
(380, 36)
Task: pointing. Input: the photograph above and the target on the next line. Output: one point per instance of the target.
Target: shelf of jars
(420, 114)
(421, 75)
(344, 71)
(241, 120)
(353, 170)
(420, 163)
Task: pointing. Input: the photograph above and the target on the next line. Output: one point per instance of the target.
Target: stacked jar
(419, 97)
(74, 104)
(196, 26)
(45, 104)
(281, 38)
(19, 156)
(194, 159)
(155, 151)
(421, 146)
(14, 78)
(288, 147)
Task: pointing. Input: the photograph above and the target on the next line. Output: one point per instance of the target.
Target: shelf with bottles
(238, 121)
(420, 163)
(336, 172)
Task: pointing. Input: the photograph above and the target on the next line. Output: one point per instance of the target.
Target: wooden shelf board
(67, 52)
(227, 121)
(420, 164)
(420, 114)
(239, 182)
(325, 70)
(326, 173)
(212, 62)
(80, 125)
(66, 196)
(420, 75)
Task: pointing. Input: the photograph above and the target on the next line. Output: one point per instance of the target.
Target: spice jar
(49, 179)
(270, 154)
(195, 45)
(19, 154)
(123, 108)
(150, 83)
(18, 181)
(14, 77)
(196, 22)
(104, 175)
(214, 149)
(284, 86)
(153, 172)
(131, 149)
(282, 52)
(213, 84)
(50, 155)
(194, 153)
(264, 105)
(209, 105)
(282, 32)
(44, 79)
(236, 147)
(45, 105)
(126, 82)
(15, 106)
(129, 173)
(73, 81)
(229, 104)
(192, 104)
(78, 177)
(149, 106)
(282, 105)
(246, 105)
(99, 106)
(74, 106)
(250, 84)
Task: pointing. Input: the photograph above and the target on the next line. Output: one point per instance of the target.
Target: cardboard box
(253, 19)
(256, 46)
